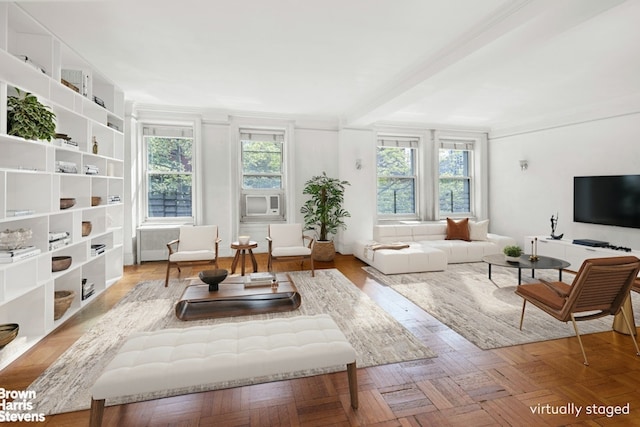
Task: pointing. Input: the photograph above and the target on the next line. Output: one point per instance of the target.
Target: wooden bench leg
(97, 411)
(353, 384)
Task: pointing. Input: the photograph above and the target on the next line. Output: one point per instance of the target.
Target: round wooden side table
(240, 253)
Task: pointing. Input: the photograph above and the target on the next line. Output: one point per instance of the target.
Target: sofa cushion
(478, 230)
(458, 230)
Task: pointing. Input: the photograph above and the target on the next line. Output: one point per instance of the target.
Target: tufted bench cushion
(180, 358)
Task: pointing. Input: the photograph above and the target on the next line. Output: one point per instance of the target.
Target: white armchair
(194, 244)
(287, 242)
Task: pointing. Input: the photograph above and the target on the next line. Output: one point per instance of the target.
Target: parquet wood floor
(463, 386)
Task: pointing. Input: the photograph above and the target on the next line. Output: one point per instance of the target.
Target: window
(262, 175)
(261, 157)
(455, 180)
(169, 171)
(397, 176)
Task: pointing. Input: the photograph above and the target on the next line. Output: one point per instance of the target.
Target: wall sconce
(358, 164)
(524, 165)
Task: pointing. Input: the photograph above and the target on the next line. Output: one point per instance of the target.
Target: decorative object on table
(534, 250)
(67, 202)
(512, 253)
(260, 279)
(213, 277)
(95, 145)
(95, 200)
(554, 224)
(86, 228)
(8, 332)
(244, 240)
(323, 213)
(28, 118)
(14, 239)
(60, 263)
(61, 303)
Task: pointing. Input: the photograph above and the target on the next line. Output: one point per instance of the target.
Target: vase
(323, 250)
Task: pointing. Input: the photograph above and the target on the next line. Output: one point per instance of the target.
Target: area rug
(487, 312)
(377, 338)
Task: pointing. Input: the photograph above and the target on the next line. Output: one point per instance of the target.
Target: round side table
(240, 253)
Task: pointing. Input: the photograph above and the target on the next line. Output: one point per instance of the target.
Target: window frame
(401, 141)
(193, 126)
(278, 135)
(458, 144)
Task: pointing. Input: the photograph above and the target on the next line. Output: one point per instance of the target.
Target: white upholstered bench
(181, 358)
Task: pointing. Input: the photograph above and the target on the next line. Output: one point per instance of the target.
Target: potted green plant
(512, 253)
(323, 212)
(28, 118)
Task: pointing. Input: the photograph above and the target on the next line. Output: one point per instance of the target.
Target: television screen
(607, 200)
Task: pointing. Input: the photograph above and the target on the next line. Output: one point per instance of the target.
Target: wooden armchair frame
(271, 258)
(174, 248)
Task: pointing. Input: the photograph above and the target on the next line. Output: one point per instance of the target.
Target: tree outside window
(396, 168)
(169, 174)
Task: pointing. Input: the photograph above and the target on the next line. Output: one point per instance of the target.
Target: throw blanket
(370, 249)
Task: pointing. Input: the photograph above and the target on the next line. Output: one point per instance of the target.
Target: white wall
(521, 203)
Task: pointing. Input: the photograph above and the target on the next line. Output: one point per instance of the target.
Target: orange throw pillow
(458, 230)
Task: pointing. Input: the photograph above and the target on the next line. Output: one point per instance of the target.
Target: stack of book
(66, 167)
(91, 170)
(13, 255)
(58, 239)
(98, 249)
(113, 199)
(259, 279)
(88, 289)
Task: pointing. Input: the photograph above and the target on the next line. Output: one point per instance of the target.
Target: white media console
(573, 253)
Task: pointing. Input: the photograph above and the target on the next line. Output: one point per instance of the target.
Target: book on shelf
(57, 235)
(88, 289)
(57, 244)
(113, 199)
(20, 212)
(97, 249)
(10, 256)
(66, 167)
(91, 170)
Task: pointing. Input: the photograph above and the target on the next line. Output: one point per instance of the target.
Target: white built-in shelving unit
(30, 183)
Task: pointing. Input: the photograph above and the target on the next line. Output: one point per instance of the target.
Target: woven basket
(323, 250)
(62, 302)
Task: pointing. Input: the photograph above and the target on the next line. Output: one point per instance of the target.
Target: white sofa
(428, 249)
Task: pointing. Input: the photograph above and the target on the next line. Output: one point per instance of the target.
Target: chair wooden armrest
(311, 240)
(171, 243)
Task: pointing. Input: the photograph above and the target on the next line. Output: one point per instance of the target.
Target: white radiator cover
(152, 242)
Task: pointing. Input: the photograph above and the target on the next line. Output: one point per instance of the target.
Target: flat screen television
(607, 200)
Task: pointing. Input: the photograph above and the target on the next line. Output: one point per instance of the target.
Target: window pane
(169, 195)
(454, 195)
(454, 163)
(169, 154)
(261, 164)
(396, 196)
(395, 161)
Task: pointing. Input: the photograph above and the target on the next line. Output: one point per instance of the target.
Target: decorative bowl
(67, 202)
(243, 240)
(59, 263)
(61, 303)
(86, 228)
(213, 277)
(512, 258)
(95, 200)
(8, 332)
(14, 239)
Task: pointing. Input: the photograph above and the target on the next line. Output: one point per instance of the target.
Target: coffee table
(233, 299)
(542, 263)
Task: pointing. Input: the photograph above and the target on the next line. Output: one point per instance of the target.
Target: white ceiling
(465, 63)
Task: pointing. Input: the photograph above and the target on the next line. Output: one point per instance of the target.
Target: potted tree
(28, 118)
(323, 213)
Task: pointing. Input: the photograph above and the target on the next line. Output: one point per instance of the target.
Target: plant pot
(323, 250)
(512, 258)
